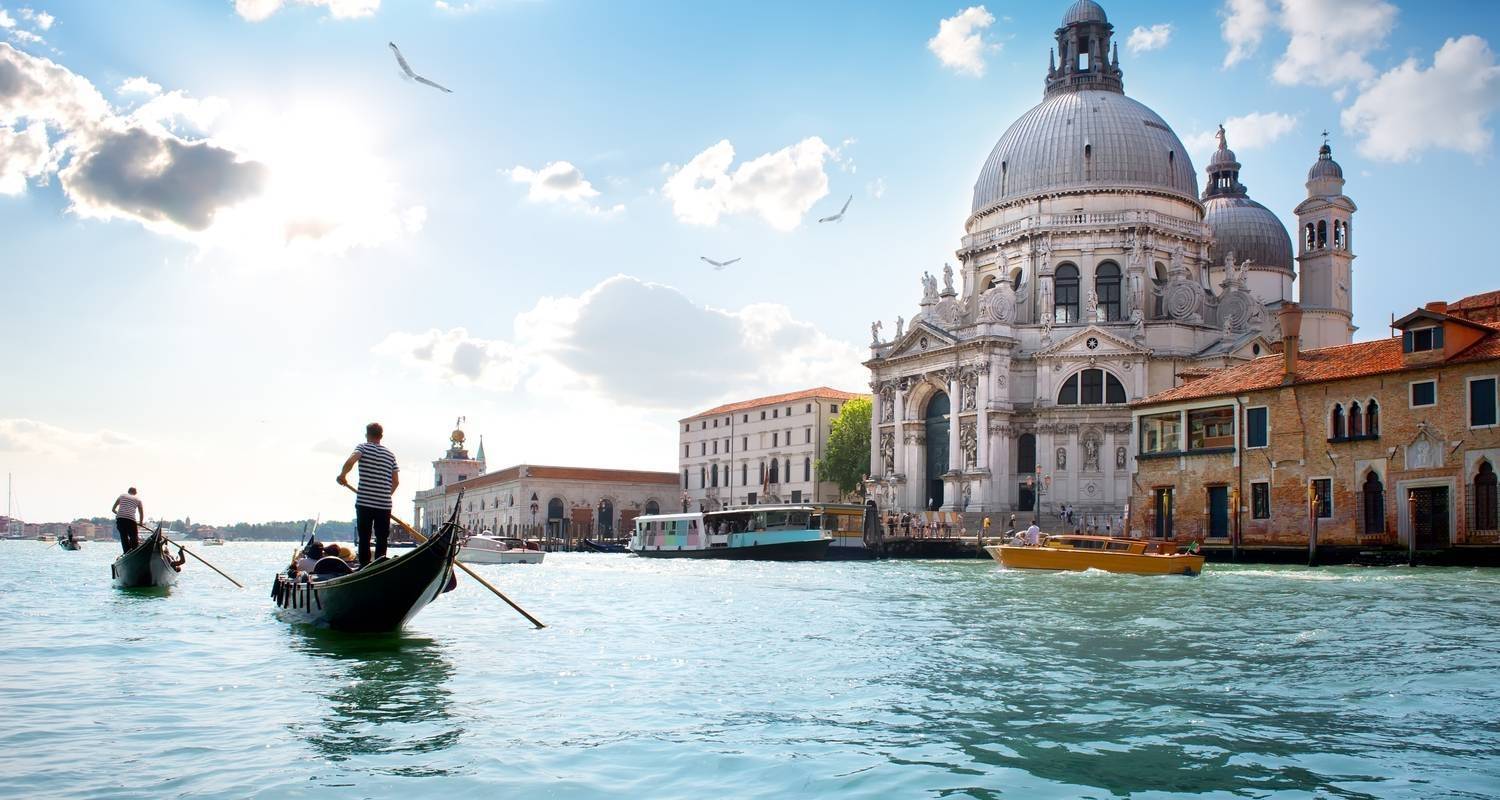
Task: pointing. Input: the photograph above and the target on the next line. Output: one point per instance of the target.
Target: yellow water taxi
(1080, 552)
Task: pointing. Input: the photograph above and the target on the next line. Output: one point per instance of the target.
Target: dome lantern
(1083, 48)
(1240, 225)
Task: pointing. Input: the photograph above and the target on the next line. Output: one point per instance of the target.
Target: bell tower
(1325, 255)
(456, 465)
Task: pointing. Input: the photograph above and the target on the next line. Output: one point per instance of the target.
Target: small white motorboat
(485, 548)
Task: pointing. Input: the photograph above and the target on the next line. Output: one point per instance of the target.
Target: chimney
(1291, 339)
(1438, 306)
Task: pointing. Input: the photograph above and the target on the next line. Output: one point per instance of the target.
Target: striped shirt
(377, 468)
(128, 506)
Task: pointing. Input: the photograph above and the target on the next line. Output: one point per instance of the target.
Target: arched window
(714, 480)
(775, 471)
(685, 480)
(1356, 421)
(1026, 454)
(989, 283)
(762, 472)
(1309, 237)
(1373, 497)
(653, 507)
(807, 470)
(1091, 387)
(1065, 309)
(1336, 423)
(1107, 285)
(1372, 418)
(1322, 233)
(702, 477)
(744, 474)
(1486, 502)
(1338, 234)
(1015, 278)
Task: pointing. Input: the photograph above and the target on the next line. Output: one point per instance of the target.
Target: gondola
(146, 565)
(69, 545)
(379, 598)
(604, 547)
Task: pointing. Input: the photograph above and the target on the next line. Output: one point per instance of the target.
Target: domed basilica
(1092, 273)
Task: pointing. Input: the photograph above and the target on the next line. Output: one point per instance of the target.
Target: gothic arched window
(1336, 423)
(1486, 501)
(1065, 309)
(1372, 418)
(1091, 387)
(1373, 497)
(1107, 285)
(1356, 420)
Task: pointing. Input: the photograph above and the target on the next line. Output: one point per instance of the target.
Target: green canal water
(694, 679)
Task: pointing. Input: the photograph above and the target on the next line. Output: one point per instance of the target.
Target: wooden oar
(205, 563)
(465, 567)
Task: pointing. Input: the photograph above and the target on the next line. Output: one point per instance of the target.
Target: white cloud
(638, 344)
(266, 185)
(1155, 37)
(139, 85)
(41, 19)
(959, 43)
(1250, 132)
(462, 7)
(258, 10)
(1330, 39)
(561, 183)
(19, 435)
(876, 188)
(1410, 109)
(779, 187)
(6, 20)
(1244, 26)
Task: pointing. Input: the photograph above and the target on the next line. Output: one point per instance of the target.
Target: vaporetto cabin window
(1091, 387)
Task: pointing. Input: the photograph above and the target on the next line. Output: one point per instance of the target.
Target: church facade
(1092, 273)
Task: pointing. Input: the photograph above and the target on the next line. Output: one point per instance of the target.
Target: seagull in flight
(718, 265)
(406, 68)
(839, 217)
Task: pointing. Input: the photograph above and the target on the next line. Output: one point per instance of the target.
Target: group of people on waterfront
(379, 475)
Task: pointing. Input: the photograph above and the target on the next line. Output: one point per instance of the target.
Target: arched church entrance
(606, 527)
(937, 422)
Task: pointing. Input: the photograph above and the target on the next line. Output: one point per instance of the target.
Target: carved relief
(948, 312)
(998, 304)
(888, 452)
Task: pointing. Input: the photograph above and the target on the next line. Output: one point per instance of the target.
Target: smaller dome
(1325, 166)
(1249, 230)
(1084, 11)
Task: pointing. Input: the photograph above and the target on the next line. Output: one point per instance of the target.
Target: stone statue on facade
(929, 288)
(1062, 458)
(968, 440)
(1120, 458)
(1091, 454)
(888, 404)
(969, 384)
(947, 278)
(888, 452)
(1092, 309)
(875, 333)
(899, 323)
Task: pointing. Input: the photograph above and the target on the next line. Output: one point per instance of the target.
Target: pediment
(1092, 342)
(923, 338)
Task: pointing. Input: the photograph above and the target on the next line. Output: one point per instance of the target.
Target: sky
(234, 234)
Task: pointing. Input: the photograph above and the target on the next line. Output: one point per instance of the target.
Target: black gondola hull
(382, 597)
(146, 565)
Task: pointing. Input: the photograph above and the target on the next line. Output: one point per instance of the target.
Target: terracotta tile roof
(546, 473)
(1342, 362)
(1485, 300)
(820, 393)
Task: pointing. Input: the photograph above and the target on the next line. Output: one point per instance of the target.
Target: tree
(846, 455)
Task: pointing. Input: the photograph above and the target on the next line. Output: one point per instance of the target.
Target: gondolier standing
(128, 509)
(378, 479)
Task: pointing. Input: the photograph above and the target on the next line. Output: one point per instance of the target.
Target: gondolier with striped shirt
(378, 479)
(128, 508)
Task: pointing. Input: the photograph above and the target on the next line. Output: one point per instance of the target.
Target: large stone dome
(1081, 140)
(1249, 229)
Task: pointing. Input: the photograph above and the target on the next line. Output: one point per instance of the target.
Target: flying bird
(406, 68)
(839, 217)
(718, 265)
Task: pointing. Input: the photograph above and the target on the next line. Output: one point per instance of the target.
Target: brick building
(1384, 440)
